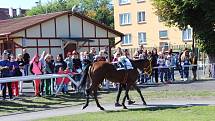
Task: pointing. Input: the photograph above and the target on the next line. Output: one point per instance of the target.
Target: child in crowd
(59, 81)
(185, 60)
(66, 81)
(36, 69)
(161, 64)
(168, 64)
(14, 72)
(21, 73)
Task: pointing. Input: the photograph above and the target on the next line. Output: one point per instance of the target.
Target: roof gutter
(4, 34)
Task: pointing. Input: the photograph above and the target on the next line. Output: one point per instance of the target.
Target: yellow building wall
(151, 25)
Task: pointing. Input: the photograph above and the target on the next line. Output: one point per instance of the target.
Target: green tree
(100, 10)
(199, 14)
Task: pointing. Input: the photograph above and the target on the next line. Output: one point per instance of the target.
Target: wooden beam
(37, 46)
(55, 27)
(43, 47)
(99, 44)
(25, 33)
(109, 52)
(49, 46)
(88, 46)
(65, 38)
(107, 33)
(82, 27)
(13, 46)
(69, 26)
(94, 46)
(41, 31)
(95, 30)
(59, 38)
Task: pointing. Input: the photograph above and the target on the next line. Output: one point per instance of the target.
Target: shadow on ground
(33, 104)
(157, 108)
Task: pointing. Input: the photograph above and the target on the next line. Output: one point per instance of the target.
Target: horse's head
(144, 65)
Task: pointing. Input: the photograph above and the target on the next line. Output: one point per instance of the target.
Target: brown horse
(101, 70)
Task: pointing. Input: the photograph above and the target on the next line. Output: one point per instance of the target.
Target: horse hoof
(101, 108)
(124, 107)
(84, 107)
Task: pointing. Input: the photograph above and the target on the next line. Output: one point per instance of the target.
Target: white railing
(36, 77)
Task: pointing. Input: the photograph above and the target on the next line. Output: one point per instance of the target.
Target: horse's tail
(83, 80)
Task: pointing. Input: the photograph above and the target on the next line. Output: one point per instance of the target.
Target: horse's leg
(88, 91)
(96, 99)
(139, 91)
(119, 92)
(124, 98)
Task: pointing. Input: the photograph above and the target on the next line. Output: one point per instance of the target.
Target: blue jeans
(185, 72)
(65, 87)
(161, 73)
(172, 75)
(26, 69)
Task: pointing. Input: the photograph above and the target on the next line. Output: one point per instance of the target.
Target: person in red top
(66, 81)
(59, 81)
(62, 84)
(36, 69)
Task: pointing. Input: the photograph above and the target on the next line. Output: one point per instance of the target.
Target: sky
(24, 4)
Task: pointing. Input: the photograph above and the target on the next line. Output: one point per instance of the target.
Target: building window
(122, 2)
(126, 39)
(163, 34)
(187, 34)
(125, 18)
(141, 17)
(139, 1)
(142, 37)
(164, 45)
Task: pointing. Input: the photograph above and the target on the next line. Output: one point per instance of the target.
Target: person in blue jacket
(5, 67)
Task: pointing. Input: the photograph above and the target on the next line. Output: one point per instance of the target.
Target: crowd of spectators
(164, 64)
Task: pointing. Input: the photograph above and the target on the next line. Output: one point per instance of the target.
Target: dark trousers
(42, 86)
(4, 89)
(48, 87)
(186, 72)
(120, 87)
(156, 74)
(180, 69)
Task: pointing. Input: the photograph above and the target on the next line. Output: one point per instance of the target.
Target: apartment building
(6, 13)
(137, 20)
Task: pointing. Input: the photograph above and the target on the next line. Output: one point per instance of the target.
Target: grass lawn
(195, 113)
(30, 104)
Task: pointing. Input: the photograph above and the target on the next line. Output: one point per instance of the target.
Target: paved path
(200, 86)
(92, 108)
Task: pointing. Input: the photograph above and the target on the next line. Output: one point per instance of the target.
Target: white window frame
(124, 18)
(187, 34)
(163, 37)
(126, 42)
(141, 19)
(142, 37)
(139, 1)
(124, 2)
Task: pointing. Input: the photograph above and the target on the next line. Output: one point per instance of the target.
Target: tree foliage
(100, 10)
(199, 14)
